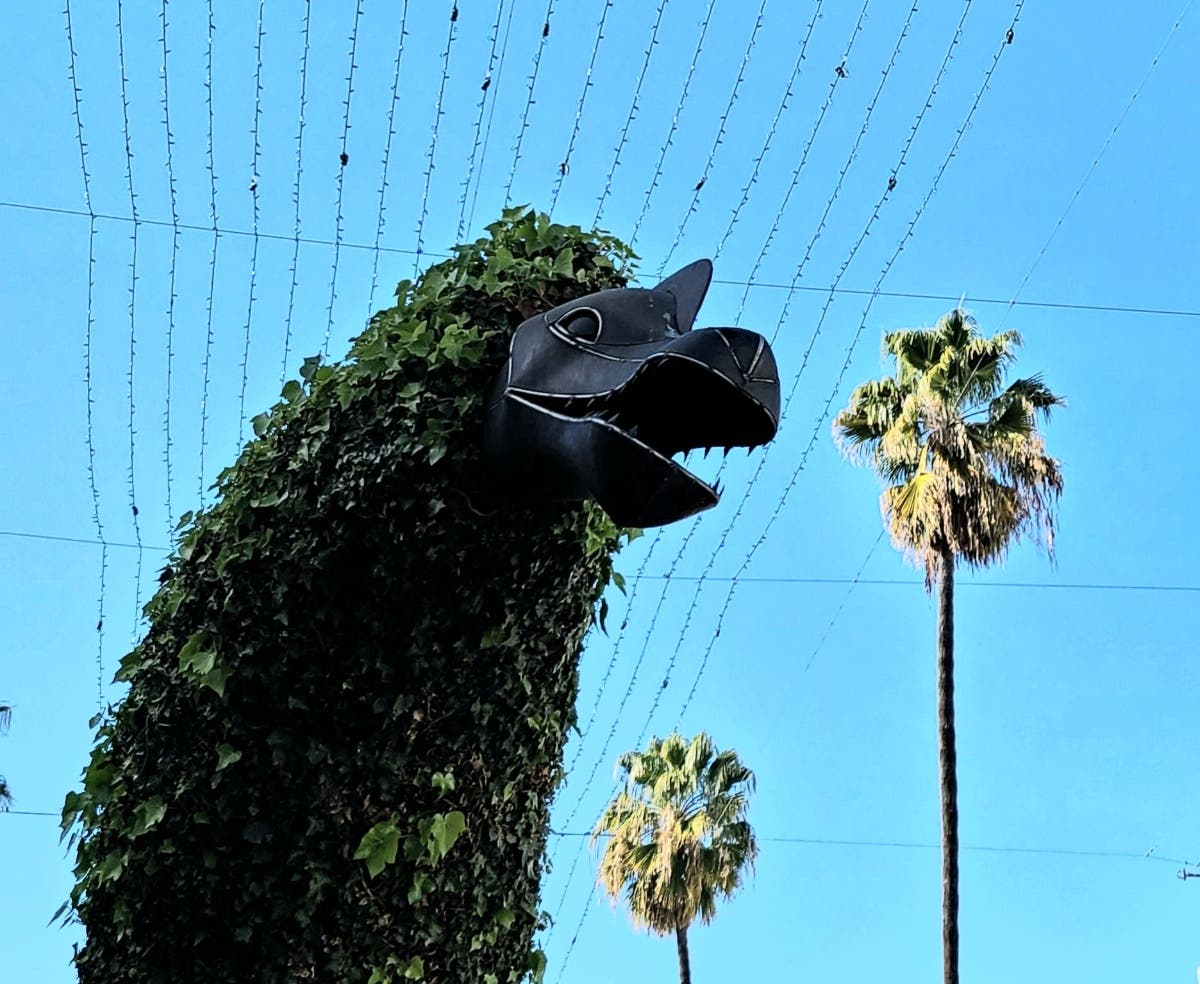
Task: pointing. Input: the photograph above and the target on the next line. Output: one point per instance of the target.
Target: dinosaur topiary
(345, 723)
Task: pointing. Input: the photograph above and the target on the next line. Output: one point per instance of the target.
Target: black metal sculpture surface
(598, 394)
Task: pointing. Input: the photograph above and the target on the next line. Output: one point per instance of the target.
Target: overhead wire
(854, 582)
(683, 97)
(387, 155)
(636, 579)
(723, 539)
(717, 140)
(1148, 855)
(241, 436)
(211, 168)
(662, 596)
(477, 140)
(797, 65)
(1103, 150)
(89, 389)
(296, 240)
(757, 284)
(733, 583)
(133, 278)
(794, 183)
(438, 112)
(171, 296)
(565, 165)
(633, 108)
(780, 579)
(533, 77)
(737, 513)
(821, 420)
(487, 133)
(343, 161)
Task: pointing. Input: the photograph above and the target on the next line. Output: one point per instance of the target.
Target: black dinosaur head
(598, 394)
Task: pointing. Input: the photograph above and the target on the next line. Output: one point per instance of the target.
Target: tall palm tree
(967, 475)
(678, 838)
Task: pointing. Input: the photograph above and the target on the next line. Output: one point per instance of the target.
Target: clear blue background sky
(1077, 681)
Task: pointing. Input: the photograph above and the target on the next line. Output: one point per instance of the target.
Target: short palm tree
(678, 838)
(967, 475)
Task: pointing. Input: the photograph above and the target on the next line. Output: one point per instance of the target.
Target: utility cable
(633, 108)
(387, 154)
(565, 165)
(717, 141)
(438, 112)
(343, 161)
(89, 390)
(477, 140)
(533, 77)
(306, 31)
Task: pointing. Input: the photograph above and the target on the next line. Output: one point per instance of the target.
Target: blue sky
(1077, 734)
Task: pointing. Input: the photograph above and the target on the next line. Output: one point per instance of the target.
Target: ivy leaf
(226, 755)
(215, 678)
(194, 657)
(415, 969)
(443, 832)
(378, 846)
(564, 264)
(292, 391)
(147, 815)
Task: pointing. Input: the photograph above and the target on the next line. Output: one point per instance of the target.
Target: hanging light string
(783, 105)
(633, 108)
(487, 134)
(387, 156)
(800, 164)
(477, 141)
(533, 77)
(89, 391)
(343, 160)
(565, 165)
(822, 419)
(241, 436)
(133, 277)
(291, 302)
(211, 167)
(438, 112)
(1103, 150)
(717, 141)
(683, 97)
(171, 186)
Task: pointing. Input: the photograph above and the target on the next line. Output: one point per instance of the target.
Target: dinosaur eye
(582, 323)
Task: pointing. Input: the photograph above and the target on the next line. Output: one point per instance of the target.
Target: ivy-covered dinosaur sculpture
(346, 720)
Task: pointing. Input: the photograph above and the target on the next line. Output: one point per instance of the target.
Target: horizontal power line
(933, 845)
(842, 842)
(885, 582)
(371, 247)
(914, 582)
(958, 298)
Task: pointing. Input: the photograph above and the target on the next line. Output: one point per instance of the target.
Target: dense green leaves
(346, 721)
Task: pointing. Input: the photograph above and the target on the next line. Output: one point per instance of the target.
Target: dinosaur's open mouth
(671, 405)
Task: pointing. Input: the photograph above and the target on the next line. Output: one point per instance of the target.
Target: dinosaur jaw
(624, 444)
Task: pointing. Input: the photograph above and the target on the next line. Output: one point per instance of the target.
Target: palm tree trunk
(947, 766)
(685, 965)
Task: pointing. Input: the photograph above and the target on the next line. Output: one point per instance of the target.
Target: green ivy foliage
(346, 721)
